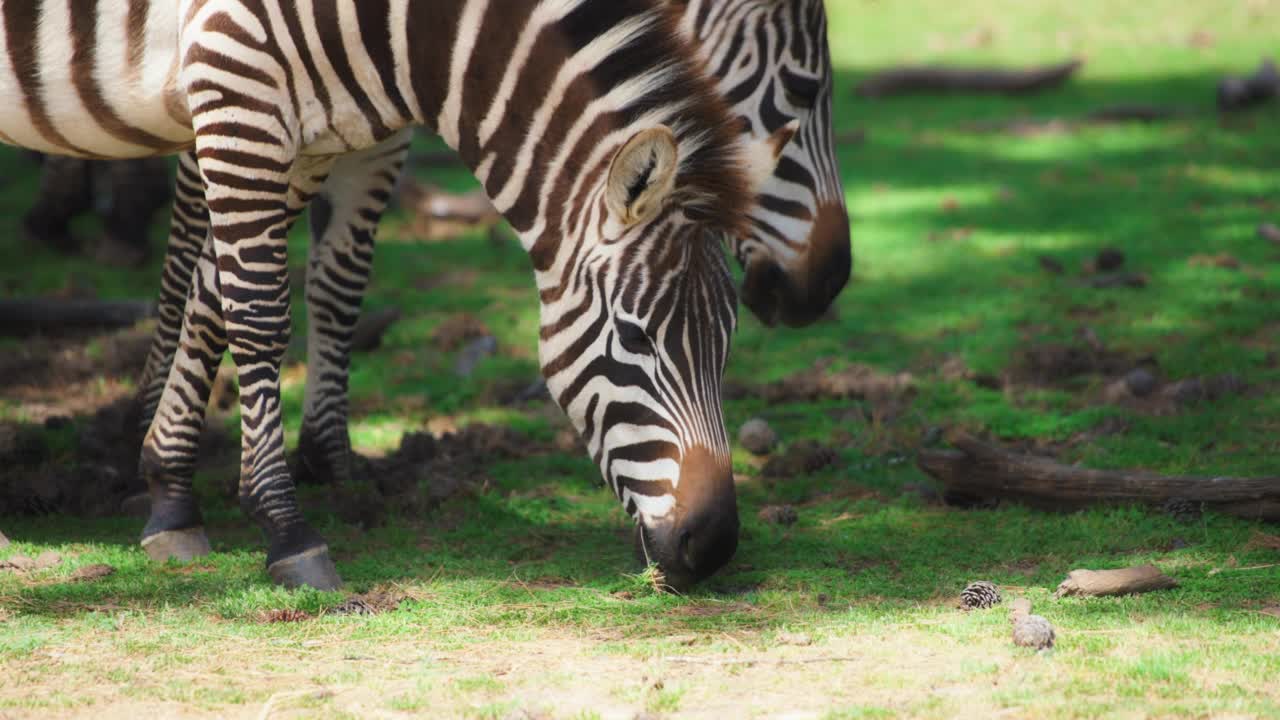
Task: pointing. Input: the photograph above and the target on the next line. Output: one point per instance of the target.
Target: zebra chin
(799, 295)
(699, 535)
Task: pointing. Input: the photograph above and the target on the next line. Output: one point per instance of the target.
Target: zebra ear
(763, 153)
(642, 175)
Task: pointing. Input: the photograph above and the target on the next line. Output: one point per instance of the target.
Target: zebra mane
(712, 181)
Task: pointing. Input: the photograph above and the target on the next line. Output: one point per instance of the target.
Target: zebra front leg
(175, 529)
(344, 219)
(251, 209)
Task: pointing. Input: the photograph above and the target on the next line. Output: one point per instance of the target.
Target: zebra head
(773, 63)
(636, 326)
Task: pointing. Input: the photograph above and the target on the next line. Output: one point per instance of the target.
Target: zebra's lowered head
(772, 60)
(636, 327)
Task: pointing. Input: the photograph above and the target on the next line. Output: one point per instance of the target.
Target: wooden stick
(1126, 581)
(979, 469)
(943, 79)
(20, 316)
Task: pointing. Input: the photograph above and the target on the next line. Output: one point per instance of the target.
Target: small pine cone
(1032, 631)
(980, 595)
(1182, 509)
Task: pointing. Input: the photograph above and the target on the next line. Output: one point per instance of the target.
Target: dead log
(1126, 581)
(943, 79)
(23, 316)
(439, 215)
(977, 469)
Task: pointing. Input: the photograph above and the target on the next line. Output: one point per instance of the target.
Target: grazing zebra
(769, 56)
(773, 64)
(588, 124)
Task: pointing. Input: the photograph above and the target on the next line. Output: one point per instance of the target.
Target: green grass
(522, 598)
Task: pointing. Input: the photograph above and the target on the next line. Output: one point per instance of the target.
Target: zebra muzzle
(701, 534)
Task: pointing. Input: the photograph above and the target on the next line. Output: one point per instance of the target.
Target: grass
(521, 598)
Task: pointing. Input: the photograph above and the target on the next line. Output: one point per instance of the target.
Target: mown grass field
(524, 599)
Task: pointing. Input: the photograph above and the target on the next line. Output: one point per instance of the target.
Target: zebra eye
(633, 338)
(801, 91)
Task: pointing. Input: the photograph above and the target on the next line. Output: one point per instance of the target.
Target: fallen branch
(942, 79)
(23, 316)
(981, 470)
(1126, 581)
(1247, 568)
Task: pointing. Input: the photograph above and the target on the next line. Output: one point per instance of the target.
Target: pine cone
(1032, 631)
(1182, 509)
(980, 595)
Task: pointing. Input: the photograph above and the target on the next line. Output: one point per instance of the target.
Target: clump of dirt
(89, 573)
(1053, 363)
(23, 563)
(283, 615)
(426, 470)
(1149, 394)
(87, 470)
(854, 381)
(784, 515)
(373, 602)
(75, 374)
(457, 331)
(800, 458)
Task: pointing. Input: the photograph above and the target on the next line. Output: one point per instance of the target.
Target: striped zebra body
(770, 56)
(585, 120)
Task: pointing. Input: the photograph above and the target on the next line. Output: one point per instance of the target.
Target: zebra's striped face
(634, 342)
(774, 65)
(642, 387)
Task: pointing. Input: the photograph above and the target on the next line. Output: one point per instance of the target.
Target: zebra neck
(527, 92)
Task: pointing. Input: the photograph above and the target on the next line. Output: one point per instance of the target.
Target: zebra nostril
(686, 551)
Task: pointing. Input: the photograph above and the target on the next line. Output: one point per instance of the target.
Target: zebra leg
(187, 232)
(344, 218)
(251, 209)
(175, 529)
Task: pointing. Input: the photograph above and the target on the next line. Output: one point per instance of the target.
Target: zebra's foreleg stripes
(251, 207)
(344, 219)
(175, 529)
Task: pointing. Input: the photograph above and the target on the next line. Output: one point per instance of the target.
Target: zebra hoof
(310, 568)
(181, 545)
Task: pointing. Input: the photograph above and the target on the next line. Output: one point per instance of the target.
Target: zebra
(773, 63)
(771, 56)
(591, 128)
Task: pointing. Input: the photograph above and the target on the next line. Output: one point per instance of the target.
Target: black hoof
(310, 568)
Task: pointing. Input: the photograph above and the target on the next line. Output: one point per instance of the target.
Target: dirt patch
(89, 573)
(283, 615)
(855, 381)
(801, 458)
(426, 470)
(84, 467)
(457, 331)
(373, 602)
(1056, 363)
